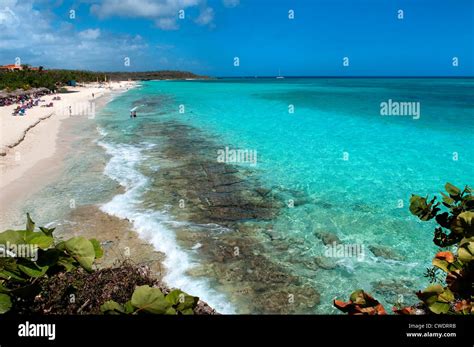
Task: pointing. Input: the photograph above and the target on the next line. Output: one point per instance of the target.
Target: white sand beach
(34, 140)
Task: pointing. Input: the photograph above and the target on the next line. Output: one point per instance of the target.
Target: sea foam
(151, 224)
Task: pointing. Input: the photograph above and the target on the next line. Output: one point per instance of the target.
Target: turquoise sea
(336, 166)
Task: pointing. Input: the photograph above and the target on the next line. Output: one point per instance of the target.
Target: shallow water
(334, 165)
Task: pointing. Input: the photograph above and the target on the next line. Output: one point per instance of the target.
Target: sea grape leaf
(41, 241)
(447, 200)
(129, 307)
(181, 301)
(47, 231)
(149, 299)
(446, 262)
(15, 237)
(3, 289)
(420, 207)
(111, 307)
(466, 250)
(452, 190)
(464, 223)
(31, 269)
(171, 311)
(99, 252)
(82, 250)
(8, 275)
(5, 303)
(436, 298)
(67, 262)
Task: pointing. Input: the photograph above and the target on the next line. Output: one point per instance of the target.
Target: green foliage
(30, 255)
(5, 303)
(20, 273)
(455, 229)
(436, 298)
(54, 79)
(146, 299)
(50, 79)
(181, 301)
(82, 250)
(360, 303)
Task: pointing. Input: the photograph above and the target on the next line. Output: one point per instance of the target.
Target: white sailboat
(279, 75)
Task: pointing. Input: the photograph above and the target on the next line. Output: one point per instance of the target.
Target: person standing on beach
(70, 111)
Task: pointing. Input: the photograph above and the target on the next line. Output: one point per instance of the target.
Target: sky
(296, 37)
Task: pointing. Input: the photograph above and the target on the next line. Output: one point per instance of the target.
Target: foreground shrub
(59, 278)
(454, 233)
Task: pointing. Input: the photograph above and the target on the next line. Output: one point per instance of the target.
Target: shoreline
(37, 143)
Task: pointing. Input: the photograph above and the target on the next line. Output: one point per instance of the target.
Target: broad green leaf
(112, 307)
(15, 237)
(452, 190)
(420, 207)
(466, 250)
(358, 297)
(3, 289)
(181, 301)
(30, 269)
(187, 312)
(464, 223)
(446, 296)
(41, 241)
(448, 200)
(5, 303)
(150, 300)
(47, 231)
(99, 252)
(439, 307)
(67, 262)
(129, 307)
(9, 275)
(170, 311)
(82, 250)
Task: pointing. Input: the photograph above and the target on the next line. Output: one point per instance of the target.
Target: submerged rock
(396, 291)
(325, 263)
(263, 191)
(287, 300)
(385, 252)
(327, 237)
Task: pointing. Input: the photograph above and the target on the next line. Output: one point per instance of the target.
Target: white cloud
(205, 17)
(35, 41)
(164, 13)
(166, 23)
(231, 3)
(38, 37)
(90, 34)
(8, 18)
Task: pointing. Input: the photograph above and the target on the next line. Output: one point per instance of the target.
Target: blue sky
(101, 35)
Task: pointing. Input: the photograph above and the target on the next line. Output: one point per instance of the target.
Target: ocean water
(324, 151)
(324, 138)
